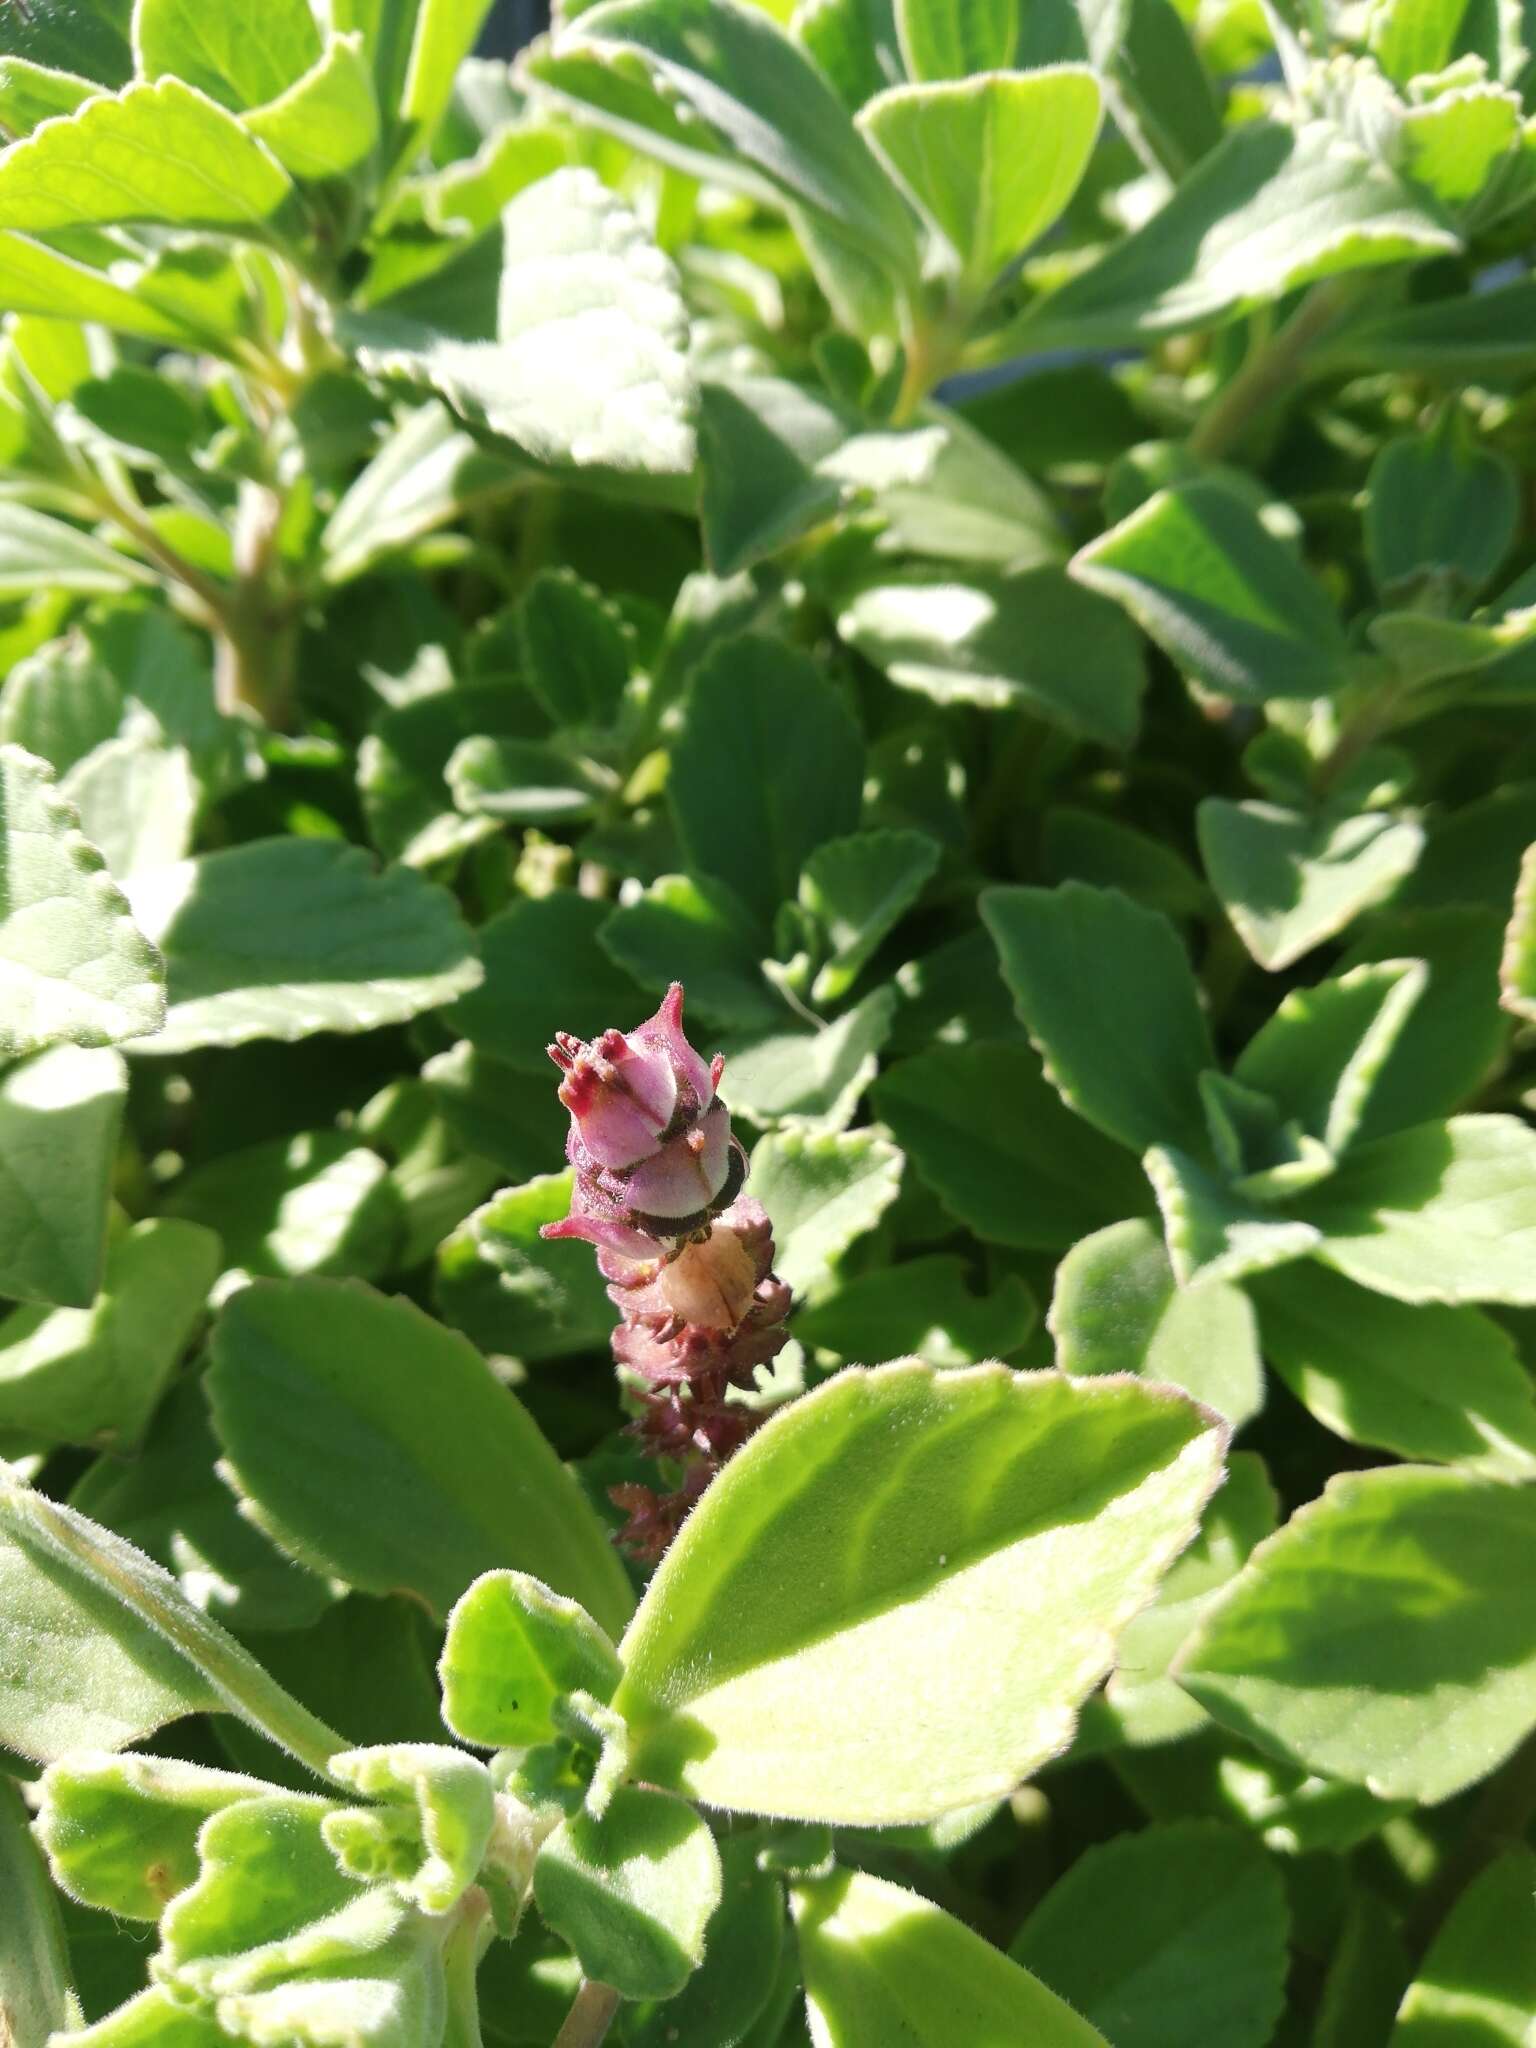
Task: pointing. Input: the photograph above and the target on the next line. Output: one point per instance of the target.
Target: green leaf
(812, 1079)
(37, 279)
(1106, 992)
(633, 1892)
(1290, 881)
(1408, 37)
(1441, 1384)
(1517, 974)
(1478, 1982)
(445, 34)
(153, 2019)
(120, 1832)
(95, 1375)
(544, 971)
(856, 890)
(575, 647)
(1118, 1309)
(1215, 1231)
(1442, 1212)
(35, 549)
(944, 489)
(924, 1307)
(1007, 642)
(428, 472)
(769, 763)
(994, 160)
(73, 966)
(315, 1203)
(929, 1501)
(512, 1117)
(743, 1951)
(1175, 1934)
(510, 1291)
(1458, 144)
(432, 1828)
(327, 122)
(521, 782)
(757, 493)
(1418, 1674)
(1467, 335)
(749, 83)
(1321, 1054)
(429, 1492)
(1197, 570)
(990, 1136)
(1083, 846)
(939, 41)
(245, 53)
(160, 153)
(883, 1964)
(137, 803)
(694, 931)
(514, 1648)
(853, 44)
(1270, 208)
(60, 1113)
(1437, 506)
(34, 1963)
(284, 937)
(102, 1647)
(822, 1192)
(33, 93)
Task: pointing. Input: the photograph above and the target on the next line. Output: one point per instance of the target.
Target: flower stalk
(687, 1256)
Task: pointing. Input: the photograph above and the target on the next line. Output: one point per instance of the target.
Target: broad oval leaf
(956, 1552)
(34, 1962)
(60, 1114)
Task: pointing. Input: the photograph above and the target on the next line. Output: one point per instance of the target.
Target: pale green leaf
(315, 1203)
(1006, 643)
(1173, 1935)
(769, 763)
(746, 1958)
(1418, 1674)
(1196, 569)
(1517, 976)
(992, 160)
(283, 937)
(445, 32)
(812, 1079)
(822, 1192)
(73, 964)
(694, 931)
(883, 1964)
(137, 802)
(1428, 1381)
(60, 1113)
(510, 1291)
(37, 279)
(1455, 143)
(327, 122)
(1290, 881)
(1441, 1212)
(853, 44)
(1006, 1157)
(1439, 506)
(428, 472)
(1215, 1232)
(241, 53)
(159, 152)
(1410, 37)
(1117, 1308)
(432, 1829)
(153, 2019)
(417, 1493)
(544, 972)
(34, 1962)
(924, 1307)
(1452, 1039)
(1319, 1056)
(95, 1375)
(1269, 209)
(972, 1541)
(1477, 1985)
(856, 890)
(36, 549)
(33, 93)
(757, 492)
(939, 40)
(512, 1649)
(1107, 993)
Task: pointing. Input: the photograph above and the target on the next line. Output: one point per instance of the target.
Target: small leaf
(1007, 643)
(992, 160)
(1107, 993)
(34, 1961)
(512, 1292)
(327, 122)
(575, 649)
(1289, 881)
(242, 56)
(60, 1113)
(73, 966)
(316, 1203)
(696, 932)
(743, 1948)
(822, 1192)
(445, 32)
(769, 764)
(137, 803)
(95, 1375)
(1199, 573)
(1005, 1156)
(1442, 1212)
(856, 890)
(757, 492)
(939, 41)
(883, 1964)
(36, 550)
(922, 1307)
(1117, 1309)
(284, 937)
(1175, 1934)
(543, 970)
(431, 1830)
(121, 1832)
(431, 1493)
(1478, 1982)
(33, 93)
(632, 1893)
(1438, 507)
(1322, 1052)
(521, 782)
(514, 1648)
(157, 152)
(35, 278)
(1441, 1384)
(1518, 970)
(929, 1501)
(1458, 144)
(812, 1079)
(1214, 1231)
(1419, 1673)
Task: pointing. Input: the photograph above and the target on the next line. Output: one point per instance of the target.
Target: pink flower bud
(626, 1091)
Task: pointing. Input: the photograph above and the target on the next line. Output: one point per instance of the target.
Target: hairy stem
(1269, 371)
(590, 2017)
(256, 642)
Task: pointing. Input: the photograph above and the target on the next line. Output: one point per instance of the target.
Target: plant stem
(1268, 371)
(1501, 1818)
(590, 2017)
(256, 642)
